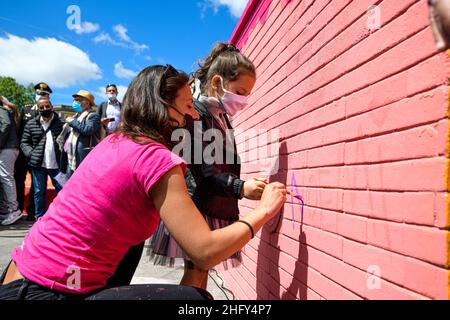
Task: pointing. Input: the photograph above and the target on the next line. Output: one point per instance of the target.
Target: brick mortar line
(322, 47)
(245, 278)
(409, 97)
(237, 283)
(347, 263)
(242, 276)
(369, 244)
(372, 218)
(263, 59)
(362, 217)
(353, 91)
(376, 190)
(337, 57)
(357, 241)
(251, 45)
(356, 164)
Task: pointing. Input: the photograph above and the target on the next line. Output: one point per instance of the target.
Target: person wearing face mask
(115, 201)
(42, 90)
(81, 132)
(41, 151)
(109, 111)
(224, 80)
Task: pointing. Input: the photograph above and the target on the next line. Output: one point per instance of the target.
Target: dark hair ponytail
(226, 61)
(145, 114)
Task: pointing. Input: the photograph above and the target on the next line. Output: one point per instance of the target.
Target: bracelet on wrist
(249, 226)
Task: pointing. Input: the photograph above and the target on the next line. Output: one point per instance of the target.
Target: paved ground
(12, 236)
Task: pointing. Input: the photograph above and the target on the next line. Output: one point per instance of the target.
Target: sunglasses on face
(46, 107)
(232, 48)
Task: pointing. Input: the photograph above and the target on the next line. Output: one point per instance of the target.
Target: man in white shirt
(41, 151)
(109, 111)
(49, 153)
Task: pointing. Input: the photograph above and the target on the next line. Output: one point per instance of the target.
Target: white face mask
(112, 97)
(232, 102)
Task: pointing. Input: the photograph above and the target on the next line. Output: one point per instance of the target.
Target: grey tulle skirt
(164, 250)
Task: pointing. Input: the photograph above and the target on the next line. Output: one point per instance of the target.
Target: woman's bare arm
(208, 248)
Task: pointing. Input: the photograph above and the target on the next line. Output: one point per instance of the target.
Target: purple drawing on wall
(275, 222)
(297, 196)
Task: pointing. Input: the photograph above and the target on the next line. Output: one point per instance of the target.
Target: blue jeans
(40, 187)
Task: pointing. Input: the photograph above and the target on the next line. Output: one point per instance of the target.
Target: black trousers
(127, 267)
(117, 288)
(152, 292)
(22, 290)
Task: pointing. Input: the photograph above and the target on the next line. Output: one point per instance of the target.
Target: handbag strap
(45, 131)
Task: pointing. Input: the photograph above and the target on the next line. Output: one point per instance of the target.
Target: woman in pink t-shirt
(115, 200)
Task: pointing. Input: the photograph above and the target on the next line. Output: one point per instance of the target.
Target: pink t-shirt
(103, 210)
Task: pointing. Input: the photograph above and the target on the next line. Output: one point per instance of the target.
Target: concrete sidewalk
(147, 273)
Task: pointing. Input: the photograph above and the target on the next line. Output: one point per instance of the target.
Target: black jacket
(8, 130)
(214, 188)
(28, 112)
(34, 139)
(101, 111)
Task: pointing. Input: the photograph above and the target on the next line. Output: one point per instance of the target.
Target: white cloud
(236, 7)
(101, 93)
(121, 72)
(46, 59)
(121, 31)
(104, 37)
(123, 41)
(86, 27)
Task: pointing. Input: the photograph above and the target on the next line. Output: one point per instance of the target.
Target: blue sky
(42, 41)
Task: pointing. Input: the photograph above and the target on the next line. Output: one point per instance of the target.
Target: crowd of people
(122, 184)
(38, 142)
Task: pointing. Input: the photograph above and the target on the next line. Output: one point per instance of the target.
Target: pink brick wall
(363, 119)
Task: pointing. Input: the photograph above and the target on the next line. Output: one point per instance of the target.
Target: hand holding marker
(296, 196)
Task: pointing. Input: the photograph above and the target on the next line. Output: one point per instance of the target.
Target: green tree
(16, 93)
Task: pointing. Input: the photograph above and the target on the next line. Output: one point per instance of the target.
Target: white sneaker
(12, 218)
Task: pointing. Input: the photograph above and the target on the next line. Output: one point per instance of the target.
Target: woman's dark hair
(145, 114)
(226, 61)
(1, 101)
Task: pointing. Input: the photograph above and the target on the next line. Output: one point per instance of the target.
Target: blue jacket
(89, 130)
